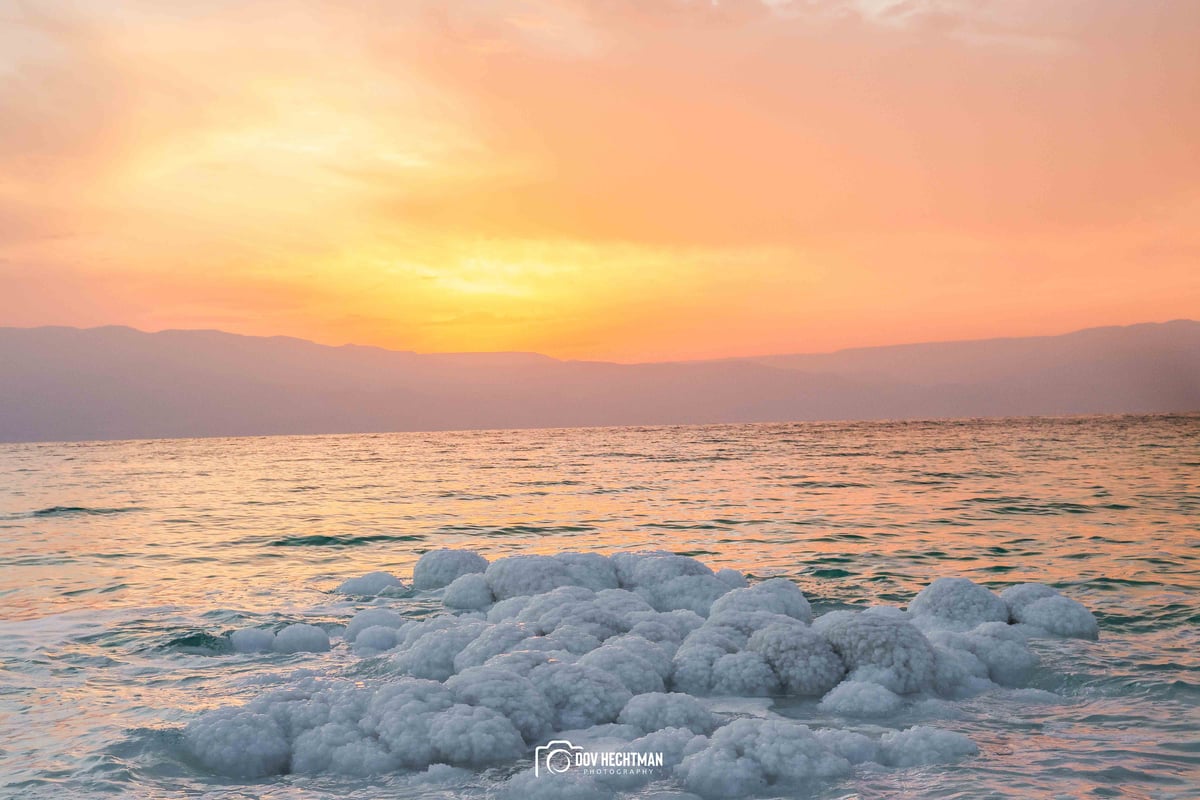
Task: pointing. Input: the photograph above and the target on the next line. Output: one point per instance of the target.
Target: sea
(124, 566)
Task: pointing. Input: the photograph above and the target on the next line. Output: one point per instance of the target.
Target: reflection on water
(124, 562)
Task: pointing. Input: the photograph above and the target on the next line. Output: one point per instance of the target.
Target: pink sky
(618, 179)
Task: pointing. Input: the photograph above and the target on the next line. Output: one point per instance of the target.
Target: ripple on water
(321, 540)
(126, 563)
(71, 511)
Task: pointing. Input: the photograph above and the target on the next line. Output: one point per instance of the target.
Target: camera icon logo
(556, 757)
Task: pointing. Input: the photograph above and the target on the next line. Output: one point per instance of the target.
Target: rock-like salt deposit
(861, 699)
(370, 618)
(624, 653)
(470, 591)
(656, 710)
(924, 745)
(301, 638)
(253, 640)
(959, 603)
(1043, 607)
(373, 583)
(439, 568)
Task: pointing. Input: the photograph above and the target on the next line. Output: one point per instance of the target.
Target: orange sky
(616, 179)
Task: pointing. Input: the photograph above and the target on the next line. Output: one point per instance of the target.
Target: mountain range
(63, 384)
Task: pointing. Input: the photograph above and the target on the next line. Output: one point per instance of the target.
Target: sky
(625, 180)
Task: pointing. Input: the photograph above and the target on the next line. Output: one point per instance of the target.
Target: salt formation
(1043, 607)
(372, 617)
(957, 603)
(439, 568)
(301, 638)
(750, 756)
(252, 640)
(655, 711)
(373, 583)
(619, 653)
(861, 699)
(923, 745)
(470, 591)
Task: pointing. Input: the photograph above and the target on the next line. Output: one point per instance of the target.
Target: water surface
(123, 564)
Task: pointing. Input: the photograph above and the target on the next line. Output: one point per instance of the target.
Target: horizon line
(748, 357)
(572, 428)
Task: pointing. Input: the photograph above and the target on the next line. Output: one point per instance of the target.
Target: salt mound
(239, 743)
(253, 640)
(439, 568)
(616, 653)
(924, 745)
(880, 647)
(861, 699)
(524, 575)
(376, 638)
(1017, 597)
(777, 595)
(1000, 649)
(958, 603)
(590, 570)
(372, 617)
(301, 638)
(474, 736)
(581, 696)
(429, 651)
(735, 579)
(371, 584)
(511, 695)
(1043, 607)
(468, 591)
(655, 711)
(752, 756)
(1061, 616)
(806, 662)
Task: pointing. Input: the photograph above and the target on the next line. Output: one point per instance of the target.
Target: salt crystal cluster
(624, 652)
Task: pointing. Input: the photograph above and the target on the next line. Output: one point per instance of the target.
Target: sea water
(124, 566)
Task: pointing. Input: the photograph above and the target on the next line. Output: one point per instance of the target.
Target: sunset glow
(602, 180)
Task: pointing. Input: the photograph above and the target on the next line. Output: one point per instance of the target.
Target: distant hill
(114, 383)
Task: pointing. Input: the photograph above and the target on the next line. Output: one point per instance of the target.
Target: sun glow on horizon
(643, 182)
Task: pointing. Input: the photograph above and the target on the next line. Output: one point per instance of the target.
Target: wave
(321, 540)
(827, 485)
(1028, 505)
(549, 483)
(71, 511)
(199, 643)
(515, 530)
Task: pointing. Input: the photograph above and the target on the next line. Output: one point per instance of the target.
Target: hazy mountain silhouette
(113, 382)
